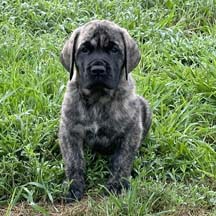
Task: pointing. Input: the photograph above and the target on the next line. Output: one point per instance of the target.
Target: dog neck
(103, 95)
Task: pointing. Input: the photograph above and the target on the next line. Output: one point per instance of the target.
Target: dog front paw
(117, 187)
(75, 193)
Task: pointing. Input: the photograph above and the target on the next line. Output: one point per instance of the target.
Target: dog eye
(114, 49)
(84, 50)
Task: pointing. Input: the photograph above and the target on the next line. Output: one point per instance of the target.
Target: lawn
(175, 171)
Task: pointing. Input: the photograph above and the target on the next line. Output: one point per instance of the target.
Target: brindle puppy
(101, 109)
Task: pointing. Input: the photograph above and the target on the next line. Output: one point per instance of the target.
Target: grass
(175, 171)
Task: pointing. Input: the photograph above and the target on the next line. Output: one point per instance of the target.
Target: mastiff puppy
(100, 109)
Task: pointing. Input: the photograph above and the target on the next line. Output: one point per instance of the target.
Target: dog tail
(146, 115)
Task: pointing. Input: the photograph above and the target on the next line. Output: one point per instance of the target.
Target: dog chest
(101, 137)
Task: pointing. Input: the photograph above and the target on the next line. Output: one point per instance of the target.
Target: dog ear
(68, 52)
(132, 53)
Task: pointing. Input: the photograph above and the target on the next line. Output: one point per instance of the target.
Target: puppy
(100, 109)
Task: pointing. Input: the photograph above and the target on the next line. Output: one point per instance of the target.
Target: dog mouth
(98, 84)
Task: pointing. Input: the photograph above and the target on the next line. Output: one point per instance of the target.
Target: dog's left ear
(132, 53)
(68, 52)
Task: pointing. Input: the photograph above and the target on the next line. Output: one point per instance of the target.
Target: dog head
(99, 53)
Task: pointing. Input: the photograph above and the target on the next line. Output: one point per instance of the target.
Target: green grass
(176, 166)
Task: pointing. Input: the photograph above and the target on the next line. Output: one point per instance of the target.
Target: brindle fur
(110, 121)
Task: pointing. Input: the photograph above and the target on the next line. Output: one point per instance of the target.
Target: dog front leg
(72, 151)
(121, 162)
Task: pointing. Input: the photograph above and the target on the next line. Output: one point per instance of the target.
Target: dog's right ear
(68, 52)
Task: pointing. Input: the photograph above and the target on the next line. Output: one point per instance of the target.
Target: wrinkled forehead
(101, 34)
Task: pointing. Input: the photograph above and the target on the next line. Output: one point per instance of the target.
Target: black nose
(98, 70)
